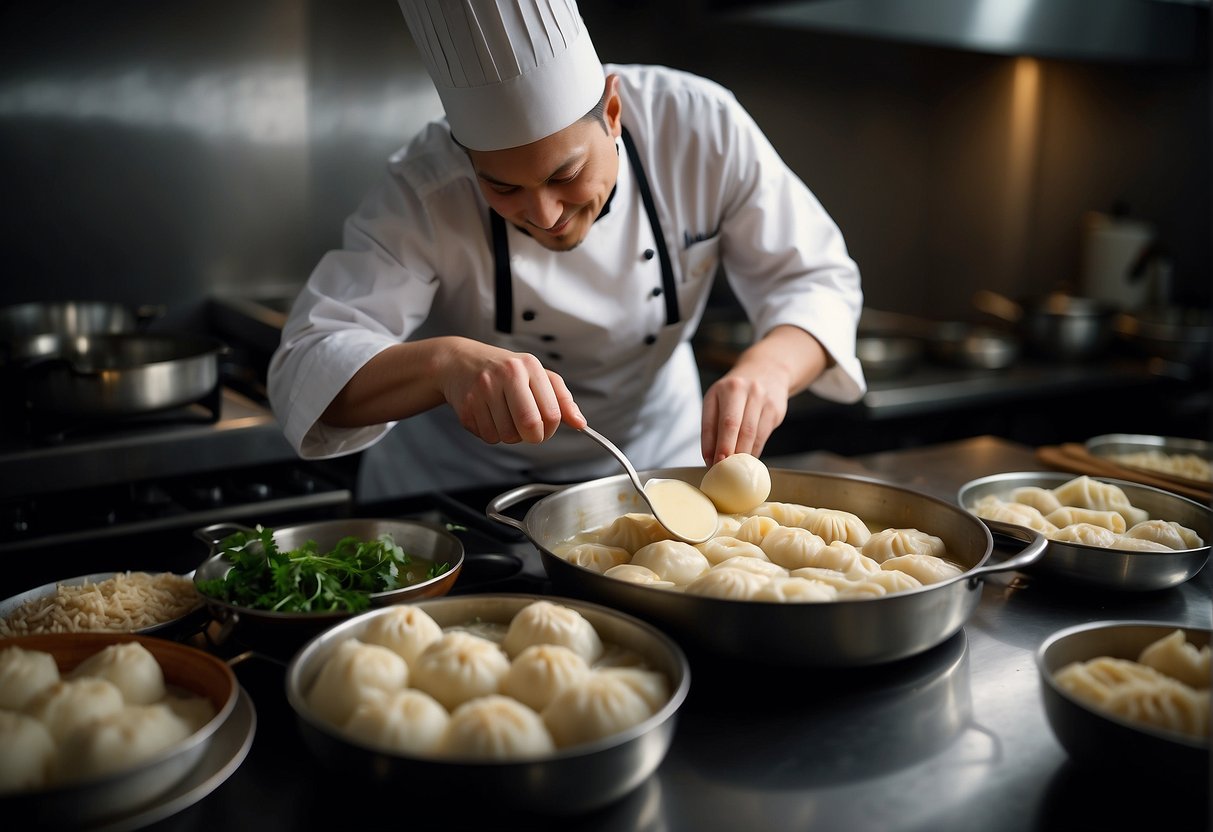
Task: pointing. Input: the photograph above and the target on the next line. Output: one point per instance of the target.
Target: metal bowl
(1111, 445)
(887, 356)
(417, 538)
(1101, 739)
(95, 801)
(572, 780)
(973, 346)
(1110, 568)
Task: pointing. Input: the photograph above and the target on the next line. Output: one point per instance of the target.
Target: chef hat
(509, 72)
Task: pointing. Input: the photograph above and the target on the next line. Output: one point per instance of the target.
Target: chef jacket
(419, 260)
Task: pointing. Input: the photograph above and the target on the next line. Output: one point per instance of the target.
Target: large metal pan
(853, 632)
(27, 329)
(1057, 326)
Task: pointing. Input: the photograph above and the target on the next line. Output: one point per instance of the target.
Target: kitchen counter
(952, 739)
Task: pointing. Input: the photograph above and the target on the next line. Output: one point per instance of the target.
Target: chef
(541, 257)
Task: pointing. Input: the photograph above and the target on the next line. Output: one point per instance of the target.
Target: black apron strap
(646, 195)
(504, 278)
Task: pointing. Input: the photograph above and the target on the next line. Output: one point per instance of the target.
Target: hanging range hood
(1128, 31)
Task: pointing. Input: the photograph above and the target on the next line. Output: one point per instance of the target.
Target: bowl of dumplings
(1105, 533)
(96, 725)
(531, 703)
(1133, 695)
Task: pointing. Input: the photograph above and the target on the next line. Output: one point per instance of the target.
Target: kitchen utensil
(1058, 326)
(685, 512)
(853, 632)
(1101, 568)
(1096, 738)
(571, 780)
(90, 802)
(1180, 334)
(417, 538)
(887, 356)
(973, 346)
(1112, 250)
(1120, 448)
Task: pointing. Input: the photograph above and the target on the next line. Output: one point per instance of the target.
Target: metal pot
(29, 329)
(973, 346)
(1180, 334)
(1058, 326)
(852, 632)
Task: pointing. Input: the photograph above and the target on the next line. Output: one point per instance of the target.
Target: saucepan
(1058, 326)
(842, 633)
(30, 329)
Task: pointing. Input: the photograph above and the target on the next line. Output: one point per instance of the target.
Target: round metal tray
(192, 620)
(1111, 445)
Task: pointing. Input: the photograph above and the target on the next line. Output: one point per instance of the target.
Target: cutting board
(1076, 459)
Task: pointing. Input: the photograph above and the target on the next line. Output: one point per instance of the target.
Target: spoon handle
(617, 453)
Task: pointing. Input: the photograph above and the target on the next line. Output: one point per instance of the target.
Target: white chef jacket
(417, 262)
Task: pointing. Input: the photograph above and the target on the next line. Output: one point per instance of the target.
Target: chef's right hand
(503, 396)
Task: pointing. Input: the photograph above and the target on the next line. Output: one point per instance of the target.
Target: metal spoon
(685, 511)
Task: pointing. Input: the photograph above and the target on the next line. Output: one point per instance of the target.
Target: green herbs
(307, 580)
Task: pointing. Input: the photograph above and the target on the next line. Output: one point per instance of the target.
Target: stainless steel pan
(29, 329)
(838, 633)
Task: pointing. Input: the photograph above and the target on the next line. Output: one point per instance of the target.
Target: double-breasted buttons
(528, 315)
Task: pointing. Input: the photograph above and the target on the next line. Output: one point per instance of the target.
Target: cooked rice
(127, 601)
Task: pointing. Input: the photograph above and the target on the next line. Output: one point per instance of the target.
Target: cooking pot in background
(1183, 335)
(1059, 325)
(30, 329)
(955, 343)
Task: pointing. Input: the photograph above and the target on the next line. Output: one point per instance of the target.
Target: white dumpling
(675, 561)
(737, 483)
(26, 752)
(71, 703)
(845, 558)
(634, 573)
(785, 514)
(731, 584)
(404, 629)
(1087, 493)
(408, 721)
(459, 667)
(23, 675)
(1136, 544)
(928, 569)
(755, 529)
(1094, 680)
(896, 580)
(597, 557)
(794, 589)
(791, 547)
(753, 565)
(861, 589)
(118, 741)
(546, 622)
(889, 543)
(197, 711)
(632, 531)
(832, 525)
(540, 672)
(719, 549)
(1087, 534)
(1069, 514)
(1168, 533)
(1041, 499)
(728, 524)
(652, 685)
(597, 706)
(131, 667)
(1178, 658)
(821, 574)
(1014, 513)
(1168, 705)
(496, 727)
(352, 673)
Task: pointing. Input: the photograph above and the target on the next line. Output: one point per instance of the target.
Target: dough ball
(598, 706)
(496, 727)
(23, 675)
(132, 669)
(737, 484)
(458, 667)
(408, 721)
(118, 741)
(404, 629)
(26, 752)
(540, 672)
(353, 673)
(546, 622)
(71, 703)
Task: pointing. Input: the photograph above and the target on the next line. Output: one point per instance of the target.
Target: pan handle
(1027, 556)
(497, 506)
(213, 534)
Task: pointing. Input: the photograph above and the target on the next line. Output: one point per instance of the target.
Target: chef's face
(555, 188)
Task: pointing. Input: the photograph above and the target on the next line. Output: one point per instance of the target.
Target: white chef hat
(509, 72)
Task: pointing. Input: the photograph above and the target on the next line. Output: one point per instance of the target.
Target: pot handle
(1024, 558)
(213, 534)
(497, 506)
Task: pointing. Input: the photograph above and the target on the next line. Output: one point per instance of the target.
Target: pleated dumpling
(992, 508)
(845, 558)
(926, 568)
(597, 706)
(1087, 534)
(723, 582)
(352, 673)
(1069, 514)
(597, 557)
(1178, 658)
(634, 573)
(675, 561)
(1085, 492)
(28, 751)
(540, 672)
(720, 548)
(785, 514)
(795, 589)
(631, 532)
(132, 669)
(458, 667)
(1167, 532)
(895, 580)
(652, 685)
(831, 524)
(496, 727)
(70, 703)
(757, 566)
(24, 674)
(791, 546)
(121, 740)
(1170, 705)
(889, 543)
(404, 629)
(1043, 500)
(408, 721)
(755, 528)
(546, 622)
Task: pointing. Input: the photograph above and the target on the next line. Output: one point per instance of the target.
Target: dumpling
(1136, 544)
(785, 514)
(496, 727)
(737, 483)
(1087, 534)
(1087, 493)
(895, 580)
(792, 547)
(889, 543)
(755, 566)
(1068, 514)
(1043, 500)
(540, 672)
(632, 532)
(132, 669)
(545, 622)
(754, 529)
(832, 525)
(1168, 533)
(673, 560)
(821, 574)
(597, 706)
(845, 558)
(23, 675)
(727, 525)
(793, 589)
(71, 703)
(1014, 513)
(1170, 705)
(408, 721)
(458, 667)
(719, 549)
(634, 573)
(118, 741)
(1178, 658)
(1094, 680)
(597, 557)
(197, 711)
(352, 673)
(404, 629)
(723, 582)
(27, 752)
(928, 569)
(862, 589)
(652, 685)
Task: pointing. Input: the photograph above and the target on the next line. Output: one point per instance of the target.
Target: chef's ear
(612, 110)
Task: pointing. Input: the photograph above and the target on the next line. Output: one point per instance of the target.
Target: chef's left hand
(743, 407)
